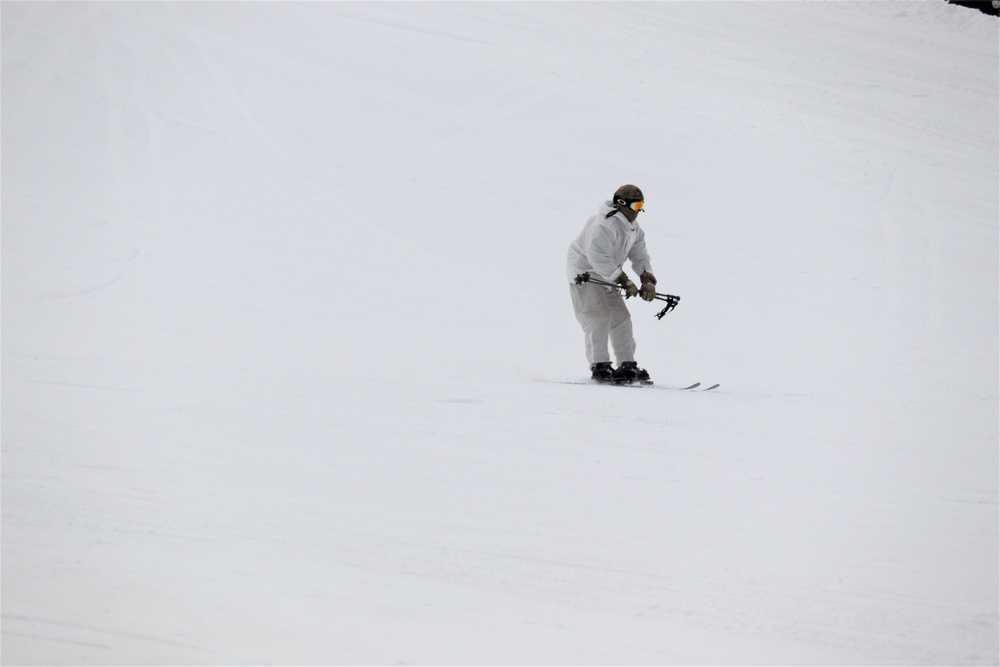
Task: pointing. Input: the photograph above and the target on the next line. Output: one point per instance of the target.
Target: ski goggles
(636, 205)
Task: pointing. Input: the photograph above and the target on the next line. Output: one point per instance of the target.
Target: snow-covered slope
(284, 317)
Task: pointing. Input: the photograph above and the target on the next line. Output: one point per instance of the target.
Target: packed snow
(288, 345)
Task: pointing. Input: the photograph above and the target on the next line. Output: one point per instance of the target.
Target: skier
(607, 240)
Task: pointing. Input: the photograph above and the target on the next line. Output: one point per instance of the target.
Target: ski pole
(671, 300)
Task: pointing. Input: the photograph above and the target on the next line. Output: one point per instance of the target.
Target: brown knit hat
(627, 194)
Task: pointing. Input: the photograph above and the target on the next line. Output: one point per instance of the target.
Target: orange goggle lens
(636, 206)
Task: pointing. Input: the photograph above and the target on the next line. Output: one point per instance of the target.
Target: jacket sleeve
(638, 254)
(600, 253)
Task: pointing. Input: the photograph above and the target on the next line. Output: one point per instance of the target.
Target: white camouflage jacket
(604, 244)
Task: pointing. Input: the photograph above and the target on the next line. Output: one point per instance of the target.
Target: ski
(650, 385)
(637, 385)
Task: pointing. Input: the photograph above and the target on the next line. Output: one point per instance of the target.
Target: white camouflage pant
(603, 315)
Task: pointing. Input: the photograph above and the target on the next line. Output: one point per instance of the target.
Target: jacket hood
(607, 208)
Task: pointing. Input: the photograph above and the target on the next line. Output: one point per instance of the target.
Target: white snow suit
(601, 249)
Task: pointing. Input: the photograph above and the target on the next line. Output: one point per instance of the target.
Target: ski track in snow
(286, 337)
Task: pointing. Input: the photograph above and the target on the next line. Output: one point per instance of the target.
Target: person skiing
(610, 237)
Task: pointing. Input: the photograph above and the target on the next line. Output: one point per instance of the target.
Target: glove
(648, 291)
(630, 288)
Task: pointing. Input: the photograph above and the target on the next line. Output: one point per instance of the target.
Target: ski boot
(602, 372)
(629, 372)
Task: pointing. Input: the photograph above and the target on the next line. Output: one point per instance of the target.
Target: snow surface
(284, 321)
